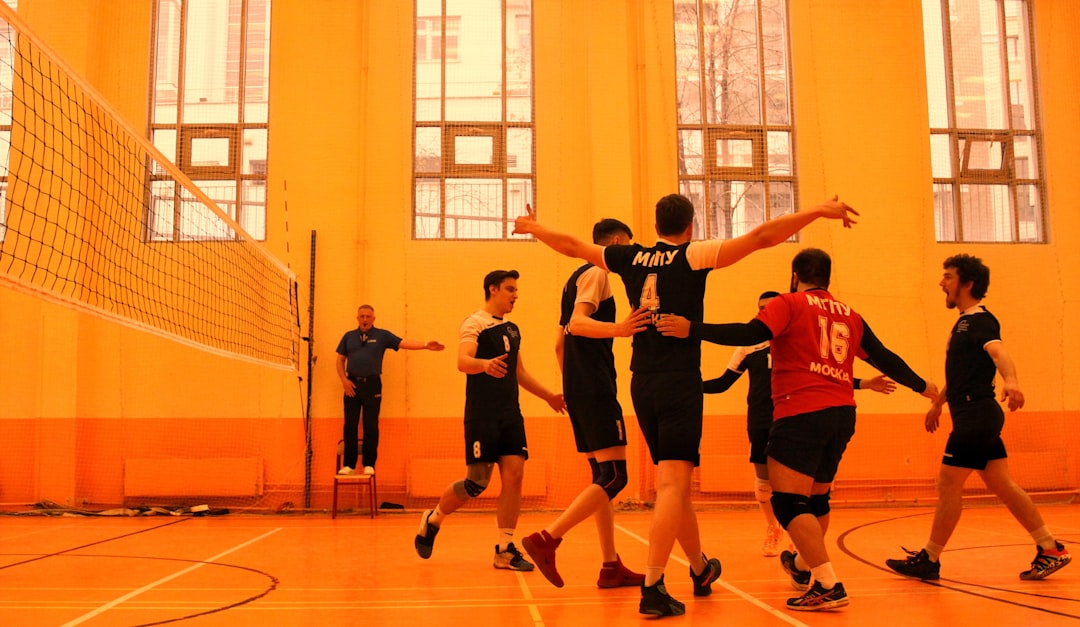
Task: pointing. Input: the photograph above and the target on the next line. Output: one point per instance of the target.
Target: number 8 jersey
(816, 339)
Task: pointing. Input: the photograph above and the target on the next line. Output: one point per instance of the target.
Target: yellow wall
(340, 142)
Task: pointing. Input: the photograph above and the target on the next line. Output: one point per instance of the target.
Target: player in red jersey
(814, 341)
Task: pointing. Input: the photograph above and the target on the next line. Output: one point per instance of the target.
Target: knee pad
(819, 504)
(787, 506)
(595, 467)
(474, 489)
(762, 489)
(468, 489)
(611, 477)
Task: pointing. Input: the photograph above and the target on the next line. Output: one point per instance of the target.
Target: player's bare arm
(559, 242)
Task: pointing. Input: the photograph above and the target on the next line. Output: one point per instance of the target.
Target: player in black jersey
(757, 361)
(974, 355)
(488, 353)
(666, 388)
(586, 328)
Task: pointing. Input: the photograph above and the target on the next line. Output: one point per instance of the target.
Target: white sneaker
(346, 470)
(369, 470)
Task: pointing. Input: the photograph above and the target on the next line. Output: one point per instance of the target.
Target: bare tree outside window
(473, 134)
(985, 137)
(209, 111)
(736, 143)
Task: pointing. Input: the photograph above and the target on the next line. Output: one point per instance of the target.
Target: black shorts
(669, 406)
(813, 443)
(976, 435)
(491, 437)
(597, 420)
(759, 438)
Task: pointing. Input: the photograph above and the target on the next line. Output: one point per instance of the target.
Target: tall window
(7, 84)
(209, 112)
(736, 144)
(473, 169)
(985, 142)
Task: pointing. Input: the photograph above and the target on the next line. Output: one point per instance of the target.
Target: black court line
(119, 537)
(840, 541)
(274, 581)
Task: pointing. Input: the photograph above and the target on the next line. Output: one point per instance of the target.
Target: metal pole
(310, 339)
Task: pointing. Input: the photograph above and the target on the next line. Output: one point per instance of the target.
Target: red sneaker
(1047, 562)
(541, 548)
(615, 575)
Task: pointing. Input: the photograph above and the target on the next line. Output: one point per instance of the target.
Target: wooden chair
(358, 479)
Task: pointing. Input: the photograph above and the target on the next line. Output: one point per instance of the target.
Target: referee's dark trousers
(366, 403)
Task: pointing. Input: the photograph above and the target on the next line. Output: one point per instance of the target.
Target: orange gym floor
(354, 570)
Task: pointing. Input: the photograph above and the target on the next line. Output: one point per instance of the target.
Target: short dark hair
(674, 213)
(496, 277)
(812, 266)
(972, 270)
(769, 294)
(607, 228)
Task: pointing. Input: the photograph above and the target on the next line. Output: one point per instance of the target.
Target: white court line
(150, 586)
(534, 610)
(737, 592)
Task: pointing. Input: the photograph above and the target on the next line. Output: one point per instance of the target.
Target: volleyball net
(83, 201)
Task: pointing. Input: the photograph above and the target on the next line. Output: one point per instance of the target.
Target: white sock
(506, 536)
(825, 575)
(933, 550)
(1044, 538)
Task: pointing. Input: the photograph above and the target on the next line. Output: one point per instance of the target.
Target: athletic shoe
(369, 470)
(703, 582)
(511, 559)
(818, 598)
(800, 579)
(615, 575)
(918, 565)
(541, 547)
(773, 537)
(1047, 562)
(425, 539)
(656, 601)
(346, 470)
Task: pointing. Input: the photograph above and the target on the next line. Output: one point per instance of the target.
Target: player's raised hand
(496, 366)
(525, 224)
(836, 210)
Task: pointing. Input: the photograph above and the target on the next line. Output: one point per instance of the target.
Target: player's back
(816, 339)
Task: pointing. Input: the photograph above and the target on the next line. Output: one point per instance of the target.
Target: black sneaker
(1047, 562)
(656, 601)
(703, 582)
(818, 598)
(800, 579)
(511, 559)
(425, 539)
(918, 565)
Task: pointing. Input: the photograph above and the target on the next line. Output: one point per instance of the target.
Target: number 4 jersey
(816, 339)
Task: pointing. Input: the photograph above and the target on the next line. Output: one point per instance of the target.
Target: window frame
(187, 133)
(962, 140)
(500, 170)
(715, 174)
